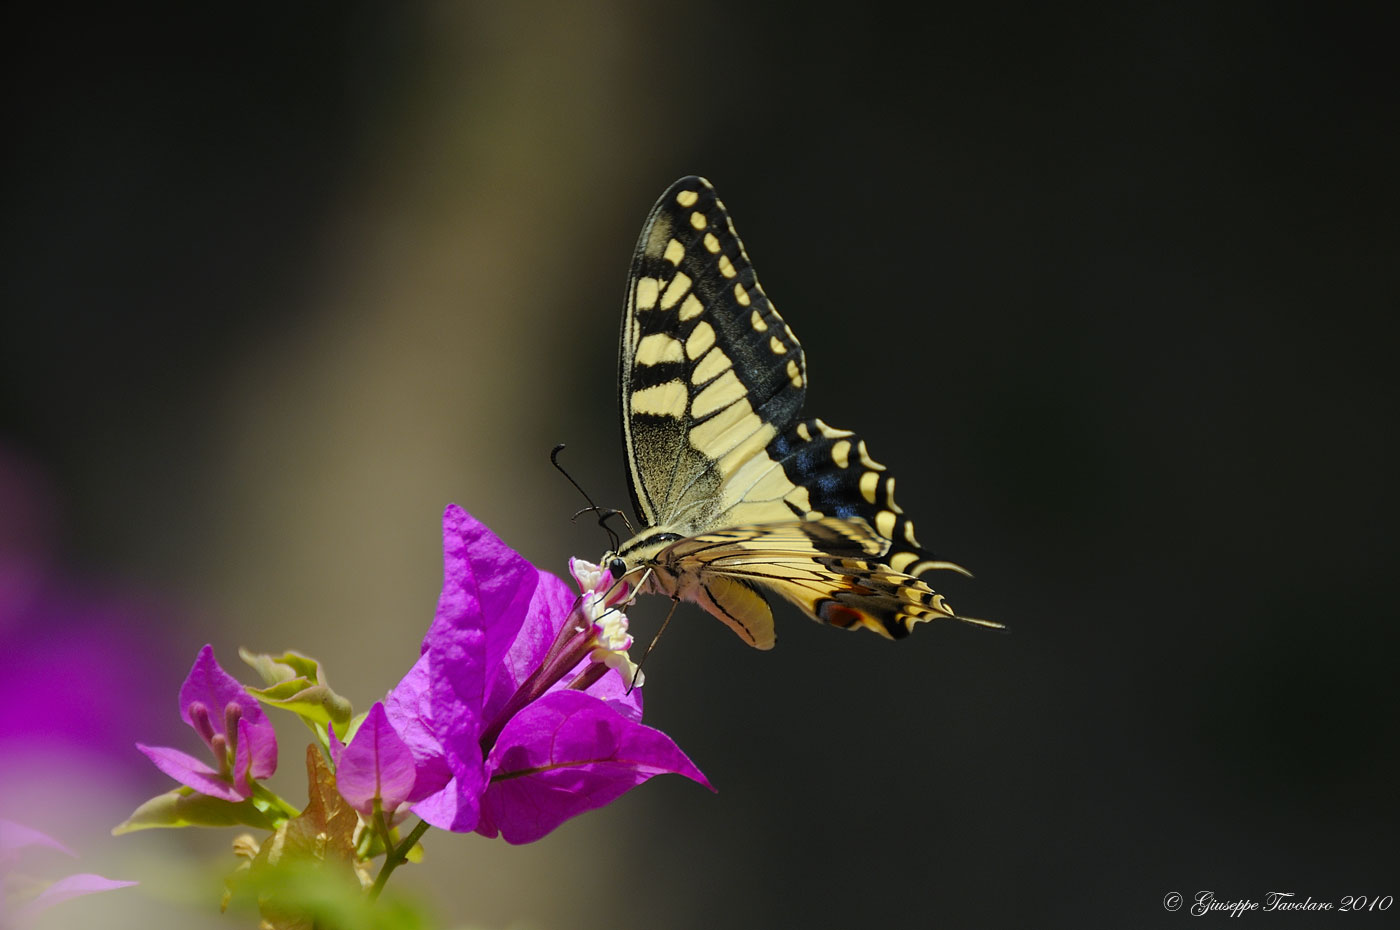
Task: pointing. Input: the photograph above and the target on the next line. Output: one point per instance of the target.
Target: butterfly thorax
(660, 560)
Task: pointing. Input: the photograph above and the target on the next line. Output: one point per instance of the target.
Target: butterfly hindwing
(831, 568)
(842, 480)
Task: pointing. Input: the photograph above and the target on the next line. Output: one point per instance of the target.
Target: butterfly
(736, 493)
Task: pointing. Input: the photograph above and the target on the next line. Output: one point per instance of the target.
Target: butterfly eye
(617, 567)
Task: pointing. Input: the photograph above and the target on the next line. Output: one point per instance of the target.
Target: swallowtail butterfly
(736, 493)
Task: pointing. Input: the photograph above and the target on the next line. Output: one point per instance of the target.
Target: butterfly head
(616, 564)
(642, 553)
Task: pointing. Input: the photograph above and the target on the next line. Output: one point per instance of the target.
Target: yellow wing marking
(661, 400)
(657, 348)
(678, 288)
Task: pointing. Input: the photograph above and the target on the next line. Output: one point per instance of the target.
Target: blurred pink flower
(78, 659)
(16, 837)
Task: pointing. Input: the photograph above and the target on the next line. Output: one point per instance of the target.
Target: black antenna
(603, 515)
(606, 515)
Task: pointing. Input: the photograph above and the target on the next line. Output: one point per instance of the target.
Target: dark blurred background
(1106, 287)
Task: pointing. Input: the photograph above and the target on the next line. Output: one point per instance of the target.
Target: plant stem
(394, 856)
(267, 795)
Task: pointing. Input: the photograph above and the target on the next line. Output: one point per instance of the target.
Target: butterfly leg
(675, 601)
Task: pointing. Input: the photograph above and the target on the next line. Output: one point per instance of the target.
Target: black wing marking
(842, 480)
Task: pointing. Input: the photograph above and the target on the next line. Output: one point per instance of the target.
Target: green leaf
(183, 807)
(316, 703)
(296, 683)
(287, 666)
(295, 894)
(351, 729)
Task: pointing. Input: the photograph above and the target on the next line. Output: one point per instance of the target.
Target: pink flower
(232, 725)
(510, 714)
(376, 766)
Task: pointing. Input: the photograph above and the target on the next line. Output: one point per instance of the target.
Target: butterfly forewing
(709, 373)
